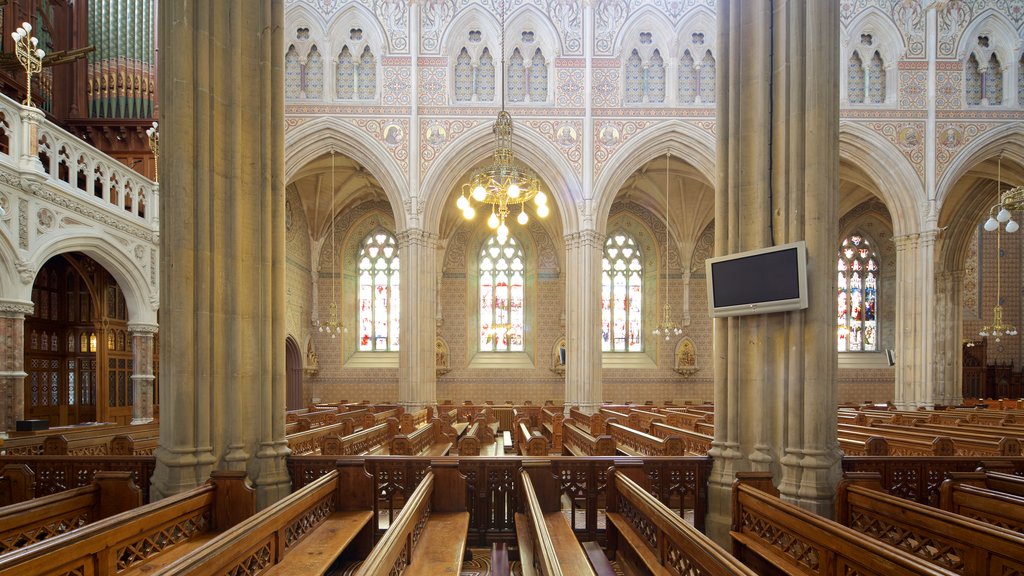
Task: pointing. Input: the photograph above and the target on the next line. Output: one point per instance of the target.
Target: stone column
(778, 165)
(915, 320)
(949, 331)
(583, 320)
(417, 381)
(222, 297)
(12, 361)
(142, 371)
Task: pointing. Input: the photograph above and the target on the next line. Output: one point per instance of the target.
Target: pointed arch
(320, 136)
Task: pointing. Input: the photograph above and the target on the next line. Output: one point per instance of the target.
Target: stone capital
(16, 308)
(584, 239)
(417, 237)
(142, 328)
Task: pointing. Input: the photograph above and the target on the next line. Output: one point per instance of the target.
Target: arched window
(345, 83)
(1020, 80)
(463, 77)
(485, 77)
(378, 292)
(516, 77)
(993, 80)
(621, 295)
(855, 79)
(502, 296)
(857, 312)
(292, 74)
(538, 78)
(633, 79)
(314, 75)
(707, 78)
(876, 79)
(655, 82)
(687, 79)
(367, 71)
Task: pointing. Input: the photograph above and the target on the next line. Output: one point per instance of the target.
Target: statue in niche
(686, 358)
(312, 361)
(441, 358)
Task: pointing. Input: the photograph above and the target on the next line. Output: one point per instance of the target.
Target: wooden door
(293, 367)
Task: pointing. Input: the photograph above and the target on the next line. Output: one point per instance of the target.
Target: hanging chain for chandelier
(1009, 202)
(998, 329)
(503, 184)
(333, 324)
(667, 327)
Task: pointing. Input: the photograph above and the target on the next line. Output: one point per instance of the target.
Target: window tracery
(857, 296)
(621, 295)
(502, 296)
(378, 292)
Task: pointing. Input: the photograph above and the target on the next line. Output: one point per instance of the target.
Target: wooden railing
(970, 495)
(425, 439)
(652, 538)
(531, 442)
(593, 423)
(81, 441)
(918, 479)
(694, 443)
(542, 549)
(29, 522)
(358, 442)
(52, 474)
(774, 537)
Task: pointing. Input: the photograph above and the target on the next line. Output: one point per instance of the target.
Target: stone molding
(417, 237)
(142, 329)
(16, 308)
(584, 239)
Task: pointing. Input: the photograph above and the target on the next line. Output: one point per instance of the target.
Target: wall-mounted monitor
(759, 281)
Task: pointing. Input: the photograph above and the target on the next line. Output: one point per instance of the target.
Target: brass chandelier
(333, 324)
(503, 185)
(667, 327)
(1009, 201)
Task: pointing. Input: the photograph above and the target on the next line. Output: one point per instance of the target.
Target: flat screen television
(759, 281)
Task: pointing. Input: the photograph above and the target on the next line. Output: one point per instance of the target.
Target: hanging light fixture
(667, 327)
(503, 185)
(998, 329)
(333, 324)
(1010, 201)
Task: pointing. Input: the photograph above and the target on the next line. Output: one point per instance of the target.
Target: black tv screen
(759, 281)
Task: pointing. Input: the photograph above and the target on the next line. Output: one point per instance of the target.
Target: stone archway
(293, 372)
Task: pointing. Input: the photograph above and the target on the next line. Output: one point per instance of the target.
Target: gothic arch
(320, 136)
(546, 37)
(1008, 139)
(1004, 38)
(684, 140)
(9, 282)
(897, 183)
(472, 18)
(873, 21)
(475, 146)
(298, 14)
(140, 301)
(647, 19)
(700, 20)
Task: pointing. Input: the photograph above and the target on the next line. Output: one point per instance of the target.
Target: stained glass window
(516, 78)
(707, 78)
(972, 82)
(538, 78)
(345, 87)
(656, 78)
(485, 77)
(314, 75)
(857, 296)
(463, 77)
(633, 79)
(377, 300)
(292, 74)
(367, 71)
(855, 80)
(621, 295)
(502, 296)
(687, 79)
(876, 79)
(994, 81)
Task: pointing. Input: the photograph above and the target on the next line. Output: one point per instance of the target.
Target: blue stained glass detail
(876, 79)
(687, 79)
(633, 79)
(708, 74)
(345, 87)
(485, 77)
(292, 74)
(516, 78)
(855, 80)
(367, 75)
(994, 82)
(656, 78)
(463, 77)
(538, 78)
(314, 75)
(972, 82)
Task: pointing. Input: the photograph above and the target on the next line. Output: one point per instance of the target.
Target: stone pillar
(417, 380)
(949, 331)
(12, 361)
(142, 371)
(222, 297)
(915, 320)
(583, 320)
(778, 176)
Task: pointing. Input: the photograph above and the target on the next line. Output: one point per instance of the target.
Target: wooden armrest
(441, 545)
(318, 550)
(598, 560)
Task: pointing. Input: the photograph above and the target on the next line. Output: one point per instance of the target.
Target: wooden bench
(530, 442)
(361, 442)
(646, 537)
(425, 441)
(965, 443)
(591, 423)
(551, 426)
(960, 544)
(137, 445)
(428, 537)
(547, 544)
(901, 445)
(141, 540)
(85, 440)
(26, 523)
(303, 533)
(409, 422)
(694, 443)
(578, 442)
(635, 443)
(968, 494)
(776, 538)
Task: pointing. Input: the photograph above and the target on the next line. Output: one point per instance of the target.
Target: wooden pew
(961, 544)
(647, 537)
(141, 540)
(776, 538)
(643, 419)
(129, 445)
(551, 426)
(478, 440)
(965, 443)
(425, 441)
(578, 442)
(303, 533)
(530, 442)
(26, 523)
(311, 441)
(361, 442)
(683, 418)
(872, 446)
(968, 494)
(439, 545)
(547, 544)
(31, 443)
(17, 484)
(409, 422)
(902, 445)
(635, 443)
(592, 423)
(694, 443)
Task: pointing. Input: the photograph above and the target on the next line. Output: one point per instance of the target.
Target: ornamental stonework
(609, 135)
(392, 133)
(951, 137)
(436, 134)
(567, 135)
(908, 137)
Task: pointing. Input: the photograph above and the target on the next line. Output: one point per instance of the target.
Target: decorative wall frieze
(436, 134)
(951, 137)
(16, 308)
(143, 328)
(908, 138)
(609, 135)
